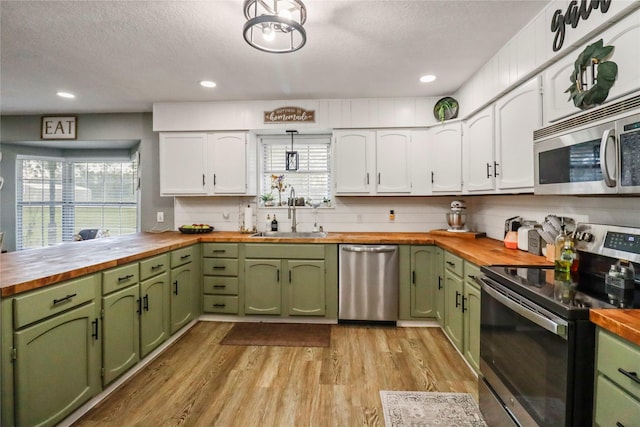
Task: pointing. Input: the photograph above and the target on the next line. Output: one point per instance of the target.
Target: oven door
(524, 357)
(581, 162)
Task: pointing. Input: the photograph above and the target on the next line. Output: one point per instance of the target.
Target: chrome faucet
(292, 207)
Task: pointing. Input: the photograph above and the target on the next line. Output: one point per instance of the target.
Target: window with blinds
(312, 180)
(57, 198)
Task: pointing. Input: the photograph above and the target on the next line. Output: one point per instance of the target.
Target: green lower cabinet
(438, 277)
(306, 282)
(471, 301)
(155, 297)
(182, 296)
(262, 286)
(57, 366)
(453, 316)
(121, 332)
(423, 291)
(614, 407)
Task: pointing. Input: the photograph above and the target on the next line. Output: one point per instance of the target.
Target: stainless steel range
(536, 340)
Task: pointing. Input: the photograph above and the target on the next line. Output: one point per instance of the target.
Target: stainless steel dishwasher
(368, 286)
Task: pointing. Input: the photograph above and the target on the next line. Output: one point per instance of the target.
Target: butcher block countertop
(31, 269)
(624, 323)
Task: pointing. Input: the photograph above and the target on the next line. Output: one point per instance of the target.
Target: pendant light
(275, 26)
(292, 159)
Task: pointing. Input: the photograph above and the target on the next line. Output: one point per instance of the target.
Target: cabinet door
(155, 294)
(392, 162)
(446, 167)
(183, 158)
(423, 281)
(306, 281)
(262, 286)
(57, 366)
(471, 307)
(420, 163)
(121, 332)
(518, 114)
(453, 324)
(438, 266)
(353, 161)
(478, 156)
(227, 163)
(181, 296)
(624, 35)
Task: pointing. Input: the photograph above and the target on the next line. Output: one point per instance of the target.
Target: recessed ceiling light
(427, 78)
(207, 83)
(65, 95)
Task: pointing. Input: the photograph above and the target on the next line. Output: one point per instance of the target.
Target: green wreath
(595, 53)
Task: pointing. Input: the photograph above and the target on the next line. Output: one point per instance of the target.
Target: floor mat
(424, 409)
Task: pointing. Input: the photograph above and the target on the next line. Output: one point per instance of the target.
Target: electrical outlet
(160, 216)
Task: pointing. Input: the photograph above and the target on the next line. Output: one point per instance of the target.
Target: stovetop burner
(570, 299)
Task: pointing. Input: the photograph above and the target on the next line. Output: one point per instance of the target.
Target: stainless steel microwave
(601, 159)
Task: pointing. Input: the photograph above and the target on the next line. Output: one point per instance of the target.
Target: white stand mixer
(457, 217)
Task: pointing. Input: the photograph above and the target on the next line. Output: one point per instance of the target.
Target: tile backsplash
(411, 214)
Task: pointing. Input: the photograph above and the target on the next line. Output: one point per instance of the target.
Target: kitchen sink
(291, 234)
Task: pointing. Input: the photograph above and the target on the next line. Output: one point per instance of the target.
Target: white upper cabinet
(354, 161)
(392, 161)
(478, 159)
(227, 162)
(420, 163)
(372, 162)
(200, 164)
(183, 162)
(446, 161)
(557, 103)
(518, 114)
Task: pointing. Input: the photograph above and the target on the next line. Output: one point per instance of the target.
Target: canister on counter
(534, 242)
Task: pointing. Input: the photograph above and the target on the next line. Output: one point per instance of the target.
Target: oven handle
(557, 328)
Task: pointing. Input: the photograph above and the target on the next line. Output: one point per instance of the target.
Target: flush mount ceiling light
(207, 84)
(65, 95)
(275, 26)
(427, 78)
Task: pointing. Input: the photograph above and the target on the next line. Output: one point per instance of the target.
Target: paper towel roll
(248, 218)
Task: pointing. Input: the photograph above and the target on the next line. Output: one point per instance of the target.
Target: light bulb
(267, 33)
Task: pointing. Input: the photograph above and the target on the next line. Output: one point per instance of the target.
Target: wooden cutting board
(465, 234)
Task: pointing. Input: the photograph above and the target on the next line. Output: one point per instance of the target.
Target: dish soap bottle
(274, 223)
(268, 223)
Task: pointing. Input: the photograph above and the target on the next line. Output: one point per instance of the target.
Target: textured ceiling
(121, 56)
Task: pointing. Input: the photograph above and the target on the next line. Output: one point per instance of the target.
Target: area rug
(279, 334)
(423, 409)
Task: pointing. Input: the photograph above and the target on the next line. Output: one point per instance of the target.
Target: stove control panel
(609, 240)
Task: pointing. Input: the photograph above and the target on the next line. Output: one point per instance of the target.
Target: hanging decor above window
(275, 26)
(292, 160)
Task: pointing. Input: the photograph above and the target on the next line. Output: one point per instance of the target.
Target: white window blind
(312, 180)
(58, 198)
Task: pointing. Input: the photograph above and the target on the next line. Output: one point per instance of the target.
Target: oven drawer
(613, 406)
(615, 357)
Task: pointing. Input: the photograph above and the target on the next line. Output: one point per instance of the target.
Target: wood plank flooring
(198, 382)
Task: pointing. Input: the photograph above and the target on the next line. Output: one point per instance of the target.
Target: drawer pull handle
(219, 251)
(123, 278)
(175, 289)
(67, 298)
(458, 299)
(219, 267)
(220, 305)
(155, 267)
(145, 300)
(452, 264)
(94, 334)
(185, 256)
(219, 286)
(631, 375)
(619, 424)
(471, 276)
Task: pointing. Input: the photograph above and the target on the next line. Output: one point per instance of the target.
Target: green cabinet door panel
(453, 325)
(57, 366)
(262, 286)
(614, 407)
(155, 294)
(438, 267)
(181, 297)
(306, 283)
(121, 332)
(472, 324)
(423, 281)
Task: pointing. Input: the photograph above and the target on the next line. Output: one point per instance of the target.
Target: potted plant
(445, 109)
(267, 199)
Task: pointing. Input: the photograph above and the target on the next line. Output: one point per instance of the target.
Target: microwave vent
(609, 110)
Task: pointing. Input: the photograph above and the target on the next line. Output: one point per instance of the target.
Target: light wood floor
(198, 382)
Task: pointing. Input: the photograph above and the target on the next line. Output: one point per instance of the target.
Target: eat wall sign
(58, 127)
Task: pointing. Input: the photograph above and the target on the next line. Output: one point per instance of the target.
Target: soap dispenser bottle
(274, 223)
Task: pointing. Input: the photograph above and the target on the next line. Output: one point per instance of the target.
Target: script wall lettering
(572, 16)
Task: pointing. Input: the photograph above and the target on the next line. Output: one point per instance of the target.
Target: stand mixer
(457, 217)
